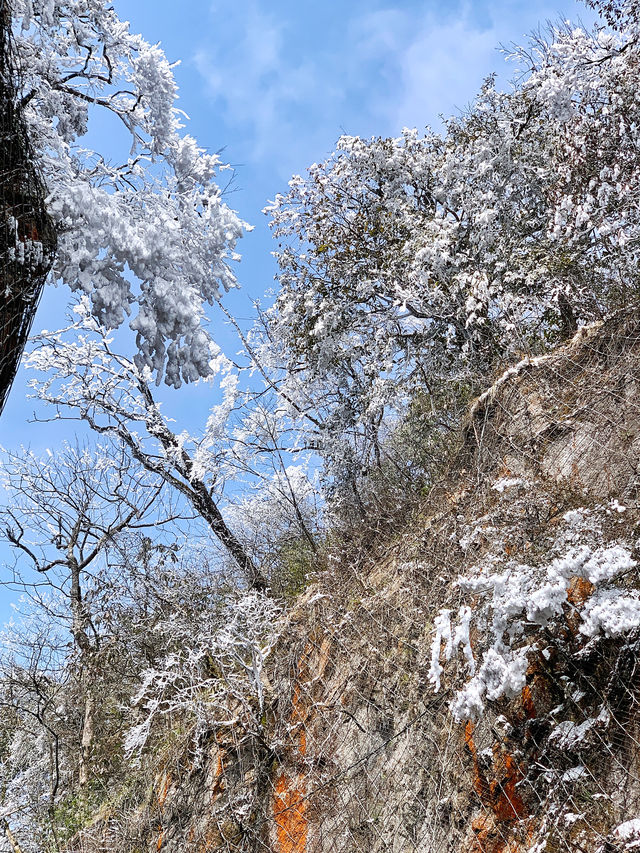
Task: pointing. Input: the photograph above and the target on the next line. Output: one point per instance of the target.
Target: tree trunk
(27, 235)
(206, 506)
(87, 736)
(79, 629)
(11, 838)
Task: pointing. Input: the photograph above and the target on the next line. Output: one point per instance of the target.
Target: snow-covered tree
(423, 263)
(82, 377)
(150, 230)
(212, 673)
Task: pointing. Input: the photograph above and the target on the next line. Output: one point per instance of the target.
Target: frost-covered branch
(213, 673)
(82, 375)
(152, 232)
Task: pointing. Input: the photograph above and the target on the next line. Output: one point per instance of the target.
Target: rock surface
(358, 751)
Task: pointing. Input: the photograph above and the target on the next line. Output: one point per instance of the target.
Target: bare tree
(63, 514)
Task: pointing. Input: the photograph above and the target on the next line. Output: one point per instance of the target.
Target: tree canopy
(409, 265)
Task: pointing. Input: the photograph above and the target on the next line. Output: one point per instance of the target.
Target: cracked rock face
(573, 416)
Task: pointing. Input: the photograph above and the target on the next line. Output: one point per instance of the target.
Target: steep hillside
(408, 711)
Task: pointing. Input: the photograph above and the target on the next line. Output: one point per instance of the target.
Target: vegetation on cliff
(387, 597)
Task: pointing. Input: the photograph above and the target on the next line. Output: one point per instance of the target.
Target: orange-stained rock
(219, 781)
(164, 788)
(506, 802)
(499, 794)
(580, 589)
(488, 838)
(528, 704)
(290, 815)
(299, 717)
(480, 784)
(491, 837)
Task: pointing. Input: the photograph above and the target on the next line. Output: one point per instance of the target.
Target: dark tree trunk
(27, 235)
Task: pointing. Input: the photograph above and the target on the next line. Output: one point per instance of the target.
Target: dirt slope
(359, 751)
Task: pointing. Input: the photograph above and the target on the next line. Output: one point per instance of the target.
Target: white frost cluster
(452, 641)
(567, 735)
(629, 834)
(213, 674)
(518, 597)
(505, 483)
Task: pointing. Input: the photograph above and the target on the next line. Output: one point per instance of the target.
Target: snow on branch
(514, 600)
(213, 674)
(152, 231)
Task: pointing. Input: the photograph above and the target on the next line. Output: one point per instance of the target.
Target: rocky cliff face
(531, 741)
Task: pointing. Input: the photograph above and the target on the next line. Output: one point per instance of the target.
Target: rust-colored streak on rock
(28, 231)
(219, 781)
(299, 717)
(300, 712)
(487, 838)
(289, 811)
(164, 789)
(480, 785)
(500, 797)
(490, 838)
(528, 704)
(536, 695)
(290, 798)
(506, 802)
(580, 589)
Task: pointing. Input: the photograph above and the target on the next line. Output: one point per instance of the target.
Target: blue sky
(275, 83)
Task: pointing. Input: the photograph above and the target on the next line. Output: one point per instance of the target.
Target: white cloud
(436, 62)
(441, 67)
(251, 76)
(290, 82)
